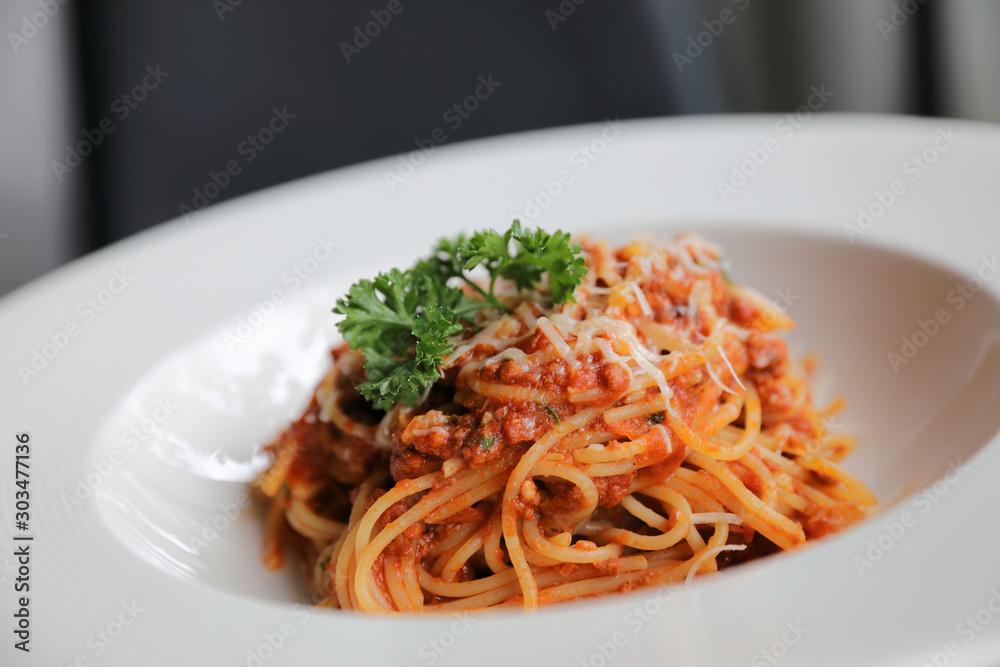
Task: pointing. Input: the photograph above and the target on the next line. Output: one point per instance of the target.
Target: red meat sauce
(322, 452)
(764, 357)
(413, 542)
(491, 425)
(668, 288)
(478, 429)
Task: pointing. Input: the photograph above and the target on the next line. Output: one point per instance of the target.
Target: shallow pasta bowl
(208, 335)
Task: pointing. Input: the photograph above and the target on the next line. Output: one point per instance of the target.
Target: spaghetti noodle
(650, 431)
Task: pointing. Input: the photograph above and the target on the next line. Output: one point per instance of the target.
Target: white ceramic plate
(163, 362)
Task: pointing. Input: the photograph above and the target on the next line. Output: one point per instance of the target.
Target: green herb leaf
(535, 252)
(552, 413)
(657, 417)
(727, 271)
(404, 320)
(486, 443)
(403, 341)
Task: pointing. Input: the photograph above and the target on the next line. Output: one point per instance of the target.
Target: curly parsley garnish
(403, 320)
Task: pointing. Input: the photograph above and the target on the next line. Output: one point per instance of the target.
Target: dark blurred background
(118, 115)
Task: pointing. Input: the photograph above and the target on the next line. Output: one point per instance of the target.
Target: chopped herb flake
(726, 271)
(548, 408)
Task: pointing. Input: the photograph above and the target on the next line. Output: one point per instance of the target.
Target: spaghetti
(650, 431)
